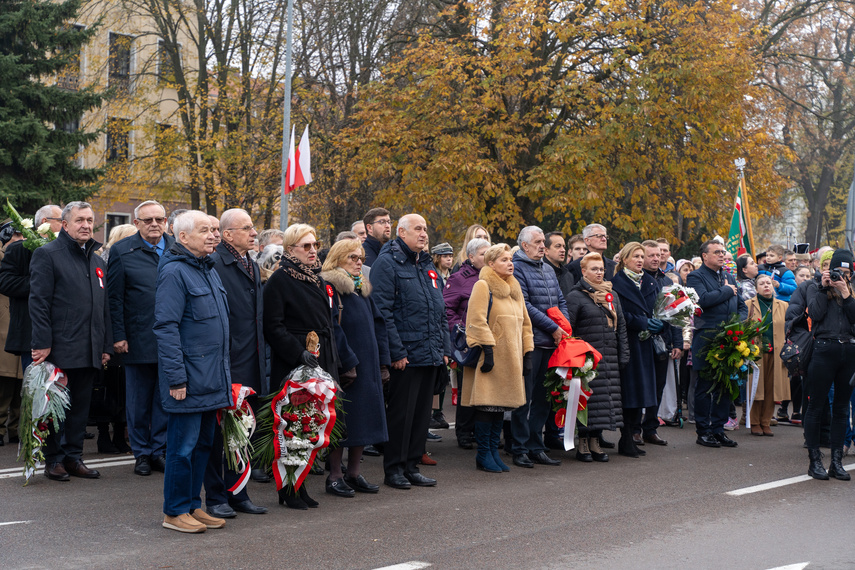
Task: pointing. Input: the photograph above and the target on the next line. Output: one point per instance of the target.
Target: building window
(165, 68)
(120, 62)
(118, 139)
(112, 220)
(69, 77)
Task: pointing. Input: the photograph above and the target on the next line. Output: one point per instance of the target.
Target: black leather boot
(816, 470)
(626, 446)
(836, 468)
(288, 497)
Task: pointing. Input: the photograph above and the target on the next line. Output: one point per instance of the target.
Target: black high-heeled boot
(304, 495)
(288, 497)
(626, 446)
(105, 444)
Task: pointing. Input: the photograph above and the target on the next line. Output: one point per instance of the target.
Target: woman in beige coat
(497, 321)
(773, 384)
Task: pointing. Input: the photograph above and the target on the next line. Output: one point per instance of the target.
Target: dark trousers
(711, 410)
(528, 420)
(832, 364)
(188, 445)
(10, 405)
(144, 410)
(408, 411)
(464, 417)
(66, 444)
(651, 414)
(218, 477)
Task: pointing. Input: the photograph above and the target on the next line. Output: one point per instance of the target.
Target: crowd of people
(160, 321)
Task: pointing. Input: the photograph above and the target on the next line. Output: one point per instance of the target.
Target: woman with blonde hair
(637, 292)
(365, 330)
(472, 232)
(117, 234)
(496, 321)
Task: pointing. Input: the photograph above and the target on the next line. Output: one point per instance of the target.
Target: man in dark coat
(719, 299)
(554, 255)
(242, 280)
(408, 292)
(378, 226)
(191, 323)
(15, 284)
(673, 337)
(70, 311)
(131, 282)
(541, 292)
(597, 239)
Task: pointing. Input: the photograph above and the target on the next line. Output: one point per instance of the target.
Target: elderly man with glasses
(131, 283)
(719, 299)
(597, 240)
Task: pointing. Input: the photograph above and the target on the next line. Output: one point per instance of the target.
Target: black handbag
(790, 357)
(462, 353)
(660, 349)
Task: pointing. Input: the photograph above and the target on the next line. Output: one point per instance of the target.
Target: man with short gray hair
(358, 227)
(597, 240)
(541, 292)
(70, 311)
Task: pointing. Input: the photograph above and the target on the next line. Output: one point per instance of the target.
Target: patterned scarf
(633, 276)
(598, 295)
(302, 272)
(241, 258)
(357, 281)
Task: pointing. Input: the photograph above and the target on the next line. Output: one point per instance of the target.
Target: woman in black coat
(597, 318)
(637, 292)
(297, 302)
(365, 330)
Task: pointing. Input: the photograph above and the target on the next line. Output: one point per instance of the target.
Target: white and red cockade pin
(433, 276)
(100, 273)
(330, 294)
(609, 300)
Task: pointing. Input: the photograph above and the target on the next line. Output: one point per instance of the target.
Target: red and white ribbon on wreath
(433, 276)
(323, 393)
(100, 273)
(239, 395)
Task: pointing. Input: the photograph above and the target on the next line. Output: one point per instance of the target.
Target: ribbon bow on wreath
(571, 368)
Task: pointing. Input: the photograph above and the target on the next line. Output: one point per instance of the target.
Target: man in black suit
(241, 278)
(70, 311)
(597, 239)
(719, 299)
(131, 283)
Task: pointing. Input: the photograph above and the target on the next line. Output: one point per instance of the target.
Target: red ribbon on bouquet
(239, 407)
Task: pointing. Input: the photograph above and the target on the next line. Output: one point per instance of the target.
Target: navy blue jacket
(411, 304)
(191, 323)
(541, 291)
(638, 380)
(68, 303)
(372, 247)
(131, 284)
(247, 351)
(718, 302)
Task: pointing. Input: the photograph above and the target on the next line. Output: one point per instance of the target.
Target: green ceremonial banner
(740, 239)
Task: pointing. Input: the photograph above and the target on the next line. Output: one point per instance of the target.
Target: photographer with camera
(832, 312)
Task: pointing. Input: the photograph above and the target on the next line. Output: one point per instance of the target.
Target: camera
(835, 275)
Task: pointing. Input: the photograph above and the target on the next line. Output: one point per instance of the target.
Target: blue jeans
(188, 446)
(528, 420)
(711, 410)
(146, 418)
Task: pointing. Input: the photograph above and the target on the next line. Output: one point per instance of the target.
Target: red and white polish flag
(299, 162)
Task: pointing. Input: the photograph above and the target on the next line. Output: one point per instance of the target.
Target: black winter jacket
(15, 284)
(831, 318)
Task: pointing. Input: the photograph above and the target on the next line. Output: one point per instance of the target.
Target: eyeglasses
(381, 222)
(248, 228)
(308, 246)
(597, 269)
(146, 221)
(56, 219)
(356, 257)
(718, 252)
(599, 236)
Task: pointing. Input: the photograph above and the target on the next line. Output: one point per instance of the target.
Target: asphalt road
(668, 509)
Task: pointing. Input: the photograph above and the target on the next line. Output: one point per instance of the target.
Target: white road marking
(98, 463)
(797, 566)
(414, 565)
(775, 485)
(15, 522)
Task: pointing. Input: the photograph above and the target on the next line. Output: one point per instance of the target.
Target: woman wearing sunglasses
(296, 302)
(365, 330)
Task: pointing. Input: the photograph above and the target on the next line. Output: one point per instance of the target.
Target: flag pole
(740, 167)
(286, 121)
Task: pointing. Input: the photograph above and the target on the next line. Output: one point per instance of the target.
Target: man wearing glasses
(597, 240)
(131, 280)
(719, 299)
(378, 226)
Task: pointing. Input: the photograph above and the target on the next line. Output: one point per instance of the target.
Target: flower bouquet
(32, 238)
(676, 305)
(44, 399)
(299, 420)
(571, 368)
(736, 345)
(238, 424)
